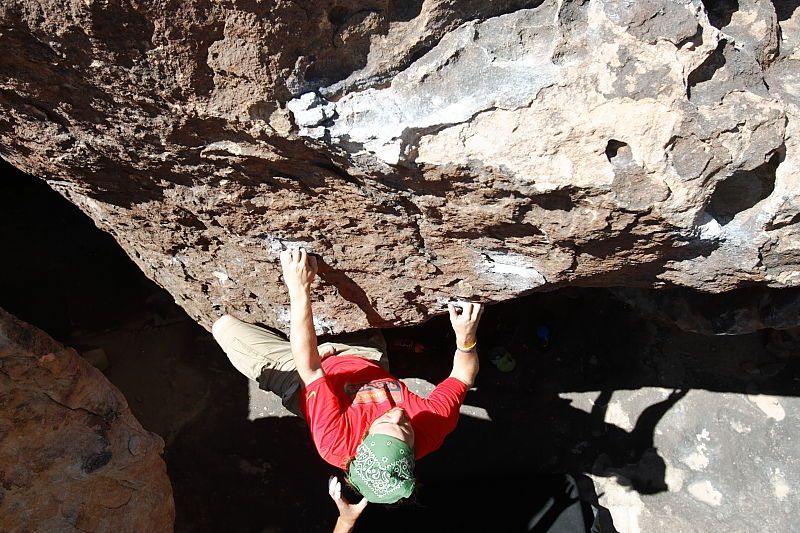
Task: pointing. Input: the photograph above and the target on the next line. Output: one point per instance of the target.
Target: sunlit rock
(424, 150)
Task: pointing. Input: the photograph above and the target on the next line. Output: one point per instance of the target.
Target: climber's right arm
(299, 271)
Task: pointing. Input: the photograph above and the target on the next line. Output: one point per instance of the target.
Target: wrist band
(466, 348)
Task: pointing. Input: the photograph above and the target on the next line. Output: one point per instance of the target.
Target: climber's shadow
(632, 456)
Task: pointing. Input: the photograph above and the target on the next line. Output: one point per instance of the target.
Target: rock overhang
(460, 153)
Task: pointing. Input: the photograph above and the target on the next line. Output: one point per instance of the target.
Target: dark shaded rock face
(736, 312)
(72, 456)
(425, 150)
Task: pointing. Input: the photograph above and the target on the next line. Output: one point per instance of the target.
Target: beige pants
(266, 357)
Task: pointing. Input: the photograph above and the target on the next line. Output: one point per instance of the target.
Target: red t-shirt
(341, 405)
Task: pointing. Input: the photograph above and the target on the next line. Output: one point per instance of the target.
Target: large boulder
(72, 456)
(424, 150)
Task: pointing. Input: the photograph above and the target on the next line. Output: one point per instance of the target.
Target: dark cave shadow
(598, 342)
(477, 501)
(785, 8)
(64, 274)
(232, 474)
(720, 12)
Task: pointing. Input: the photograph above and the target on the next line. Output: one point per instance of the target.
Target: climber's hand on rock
(299, 271)
(464, 317)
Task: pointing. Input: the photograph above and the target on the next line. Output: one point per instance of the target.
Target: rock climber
(362, 419)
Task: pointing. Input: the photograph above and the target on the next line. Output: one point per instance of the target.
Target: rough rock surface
(425, 150)
(727, 469)
(72, 456)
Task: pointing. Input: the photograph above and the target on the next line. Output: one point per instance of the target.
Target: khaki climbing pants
(266, 357)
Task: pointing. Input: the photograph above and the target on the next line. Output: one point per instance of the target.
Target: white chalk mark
(769, 405)
(706, 493)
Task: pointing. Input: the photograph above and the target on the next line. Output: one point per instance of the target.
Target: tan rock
(72, 456)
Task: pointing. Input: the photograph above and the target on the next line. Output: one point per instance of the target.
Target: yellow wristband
(467, 348)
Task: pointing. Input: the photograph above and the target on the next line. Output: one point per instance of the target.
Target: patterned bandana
(383, 469)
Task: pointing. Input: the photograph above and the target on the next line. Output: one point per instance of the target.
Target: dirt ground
(640, 411)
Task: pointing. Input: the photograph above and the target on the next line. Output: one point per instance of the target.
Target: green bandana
(383, 469)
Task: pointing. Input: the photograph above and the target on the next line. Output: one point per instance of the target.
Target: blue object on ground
(543, 335)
